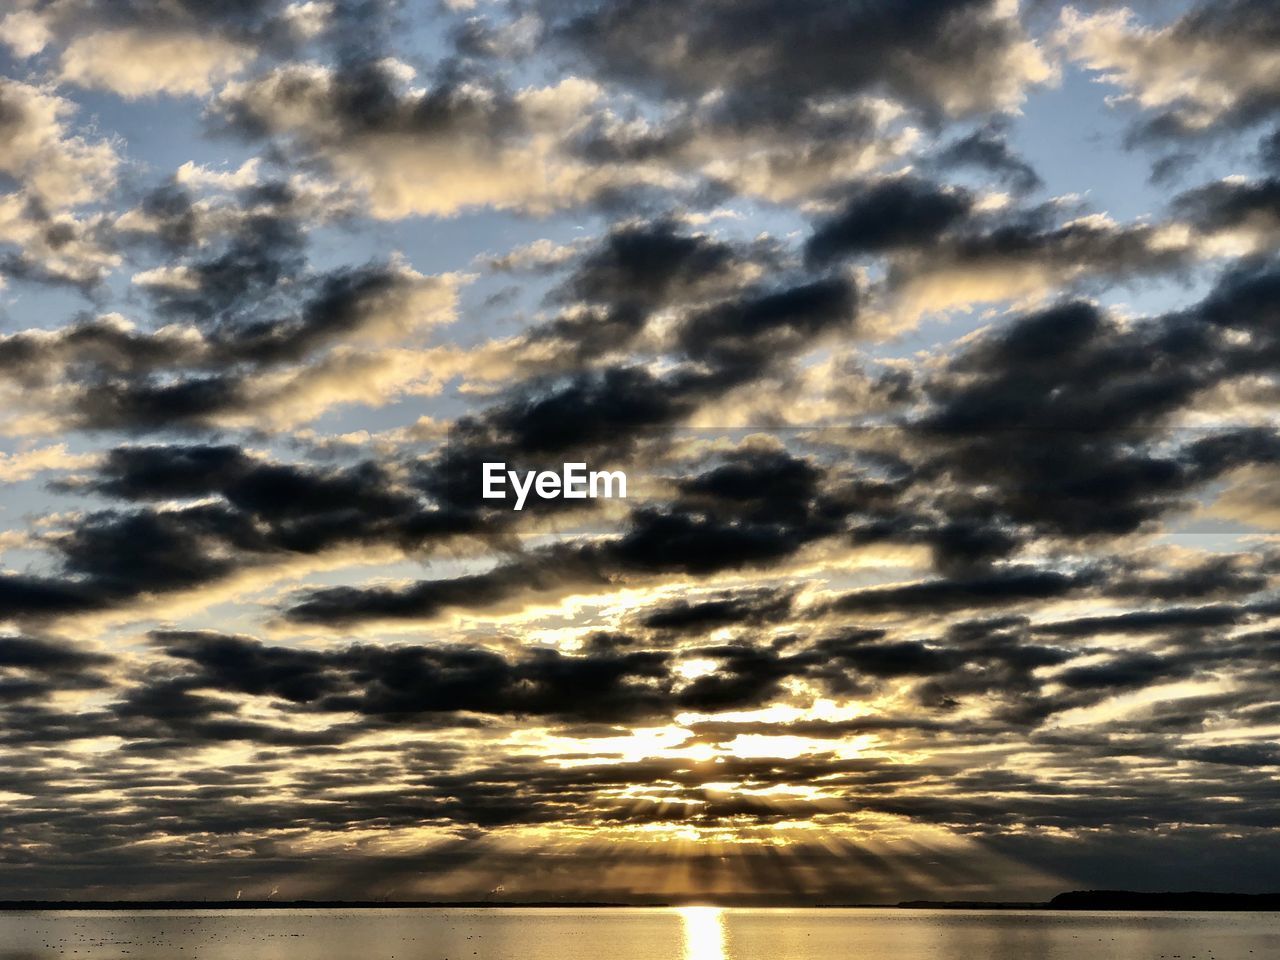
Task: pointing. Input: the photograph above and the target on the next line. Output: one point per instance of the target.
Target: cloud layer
(948, 560)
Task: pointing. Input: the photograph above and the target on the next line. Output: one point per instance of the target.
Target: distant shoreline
(12, 905)
(1190, 901)
(1118, 900)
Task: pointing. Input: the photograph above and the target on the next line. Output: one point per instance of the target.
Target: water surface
(690, 933)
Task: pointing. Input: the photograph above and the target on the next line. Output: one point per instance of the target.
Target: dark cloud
(752, 608)
(1170, 618)
(987, 148)
(1269, 149)
(920, 56)
(208, 511)
(400, 683)
(652, 264)
(879, 217)
(32, 668)
(1045, 464)
(231, 320)
(1060, 414)
(999, 587)
(1232, 205)
(760, 327)
(726, 520)
(1223, 576)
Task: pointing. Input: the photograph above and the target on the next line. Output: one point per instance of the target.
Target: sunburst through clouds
(919, 359)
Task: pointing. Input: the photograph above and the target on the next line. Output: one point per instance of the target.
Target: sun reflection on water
(703, 933)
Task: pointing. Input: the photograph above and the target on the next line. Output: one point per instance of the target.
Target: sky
(938, 342)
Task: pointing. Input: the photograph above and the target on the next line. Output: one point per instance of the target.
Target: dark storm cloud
(291, 507)
(163, 472)
(36, 654)
(1166, 619)
(599, 408)
(732, 328)
(699, 542)
(654, 542)
(1133, 670)
(556, 567)
(252, 296)
(363, 97)
(993, 660)
(52, 248)
(242, 233)
(25, 595)
(966, 534)
(996, 659)
(1103, 390)
(265, 251)
(93, 345)
(171, 210)
(147, 405)
(167, 716)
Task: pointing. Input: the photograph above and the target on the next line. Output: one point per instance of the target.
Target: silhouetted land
(972, 905)
(1117, 900)
(295, 904)
(1128, 900)
(1075, 900)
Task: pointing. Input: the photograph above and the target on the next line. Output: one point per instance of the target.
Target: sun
(703, 933)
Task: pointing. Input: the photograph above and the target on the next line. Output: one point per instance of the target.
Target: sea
(642, 933)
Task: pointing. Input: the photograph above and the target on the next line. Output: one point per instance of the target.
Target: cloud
(1211, 69)
(1235, 216)
(33, 669)
(947, 57)
(883, 216)
(400, 683)
(54, 166)
(946, 248)
(341, 337)
(433, 151)
(138, 63)
(884, 614)
(1250, 498)
(16, 467)
(1025, 257)
(987, 148)
(148, 49)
